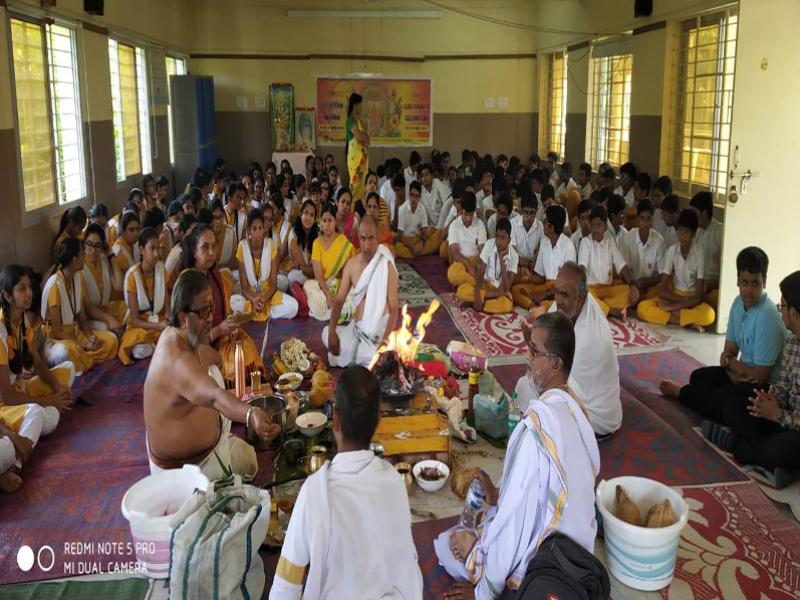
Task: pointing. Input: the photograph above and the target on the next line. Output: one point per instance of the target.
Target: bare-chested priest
(369, 290)
(187, 412)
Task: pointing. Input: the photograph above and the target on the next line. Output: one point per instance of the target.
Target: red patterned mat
(501, 335)
(736, 545)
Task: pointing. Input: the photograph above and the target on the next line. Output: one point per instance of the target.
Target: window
(48, 113)
(611, 109)
(554, 100)
(131, 109)
(175, 66)
(705, 99)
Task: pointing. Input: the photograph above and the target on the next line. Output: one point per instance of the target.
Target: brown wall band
(94, 28)
(578, 46)
(414, 59)
(651, 27)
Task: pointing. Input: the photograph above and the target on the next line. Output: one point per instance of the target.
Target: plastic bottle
(474, 378)
(514, 414)
(473, 506)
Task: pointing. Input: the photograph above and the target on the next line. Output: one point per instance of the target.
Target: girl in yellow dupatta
(257, 257)
(69, 335)
(126, 247)
(101, 277)
(71, 226)
(147, 298)
(357, 148)
(330, 252)
(200, 252)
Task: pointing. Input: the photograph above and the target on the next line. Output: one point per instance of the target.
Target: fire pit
(400, 377)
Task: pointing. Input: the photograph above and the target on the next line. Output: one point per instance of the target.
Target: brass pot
(316, 458)
(404, 469)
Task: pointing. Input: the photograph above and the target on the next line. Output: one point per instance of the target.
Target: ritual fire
(394, 362)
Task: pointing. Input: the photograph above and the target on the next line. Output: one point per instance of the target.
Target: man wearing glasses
(187, 413)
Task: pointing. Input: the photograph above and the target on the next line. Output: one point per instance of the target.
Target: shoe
(785, 477)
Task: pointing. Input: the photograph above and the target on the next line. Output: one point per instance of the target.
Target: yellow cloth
(334, 258)
(702, 314)
(227, 232)
(457, 273)
(134, 336)
(277, 297)
(121, 258)
(610, 296)
(357, 165)
(430, 247)
(501, 305)
(115, 308)
(227, 343)
(75, 338)
(521, 291)
(13, 416)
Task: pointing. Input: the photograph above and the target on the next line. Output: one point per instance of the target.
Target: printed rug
(500, 336)
(413, 289)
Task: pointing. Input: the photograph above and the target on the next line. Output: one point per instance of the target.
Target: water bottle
(514, 414)
(473, 506)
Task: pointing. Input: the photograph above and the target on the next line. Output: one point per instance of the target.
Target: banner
(398, 112)
(281, 112)
(304, 139)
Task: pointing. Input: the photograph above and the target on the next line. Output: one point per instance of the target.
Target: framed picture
(281, 112)
(304, 129)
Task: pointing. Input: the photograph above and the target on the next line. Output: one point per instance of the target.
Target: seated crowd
(170, 279)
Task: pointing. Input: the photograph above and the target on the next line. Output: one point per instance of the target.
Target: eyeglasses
(536, 354)
(203, 312)
(95, 246)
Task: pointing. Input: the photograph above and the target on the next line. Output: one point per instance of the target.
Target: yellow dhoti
(457, 273)
(36, 387)
(133, 337)
(501, 305)
(522, 292)
(430, 246)
(610, 296)
(702, 314)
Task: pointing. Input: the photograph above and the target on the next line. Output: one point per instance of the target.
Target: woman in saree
(69, 335)
(385, 236)
(126, 246)
(102, 277)
(346, 219)
(330, 252)
(357, 149)
(200, 252)
(384, 215)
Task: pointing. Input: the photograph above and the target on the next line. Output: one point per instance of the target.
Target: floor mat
(500, 336)
(130, 589)
(413, 289)
(433, 269)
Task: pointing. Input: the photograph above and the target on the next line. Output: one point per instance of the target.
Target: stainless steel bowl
(275, 406)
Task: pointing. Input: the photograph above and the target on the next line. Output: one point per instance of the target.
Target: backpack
(563, 570)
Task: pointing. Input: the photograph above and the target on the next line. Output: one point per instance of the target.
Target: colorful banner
(281, 111)
(398, 112)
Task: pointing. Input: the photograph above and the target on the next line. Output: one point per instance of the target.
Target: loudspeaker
(93, 7)
(642, 8)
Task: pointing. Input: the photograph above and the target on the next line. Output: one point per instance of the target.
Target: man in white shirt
(567, 182)
(554, 250)
(466, 237)
(627, 176)
(709, 237)
(484, 195)
(661, 189)
(643, 250)
(582, 230)
(670, 210)
(680, 296)
(410, 172)
(616, 216)
(332, 535)
(491, 292)
(583, 177)
(387, 189)
(434, 194)
(548, 478)
(416, 236)
(601, 257)
(594, 377)
(504, 209)
(526, 235)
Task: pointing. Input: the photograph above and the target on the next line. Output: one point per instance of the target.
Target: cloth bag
(215, 540)
(564, 569)
(491, 415)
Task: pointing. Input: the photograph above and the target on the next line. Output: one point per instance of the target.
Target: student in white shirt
(643, 249)
(616, 216)
(504, 208)
(398, 187)
(582, 229)
(642, 187)
(417, 237)
(387, 188)
(526, 235)
(554, 250)
(484, 195)
(601, 257)
(466, 237)
(410, 172)
(567, 182)
(627, 176)
(661, 189)
(491, 292)
(332, 549)
(583, 177)
(670, 210)
(538, 181)
(434, 194)
(709, 237)
(451, 210)
(680, 299)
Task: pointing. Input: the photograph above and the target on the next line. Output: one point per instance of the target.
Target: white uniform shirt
(685, 271)
(658, 221)
(587, 190)
(617, 235)
(630, 199)
(645, 260)
(487, 204)
(433, 201)
(387, 193)
(710, 240)
(410, 223)
(526, 242)
(491, 258)
(469, 239)
(600, 259)
(564, 189)
(491, 224)
(551, 258)
(444, 214)
(670, 235)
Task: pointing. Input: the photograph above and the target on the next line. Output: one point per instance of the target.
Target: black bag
(563, 570)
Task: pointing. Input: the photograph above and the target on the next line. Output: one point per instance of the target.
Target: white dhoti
(296, 276)
(8, 455)
(317, 301)
(283, 282)
(355, 346)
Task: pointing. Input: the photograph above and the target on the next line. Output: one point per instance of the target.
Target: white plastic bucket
(148, 506)
(641, 557)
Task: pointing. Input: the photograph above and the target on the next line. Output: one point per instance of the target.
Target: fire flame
(402, 340)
